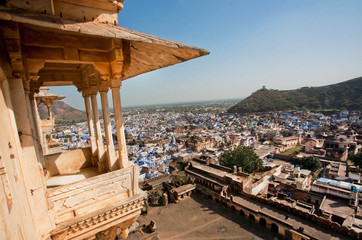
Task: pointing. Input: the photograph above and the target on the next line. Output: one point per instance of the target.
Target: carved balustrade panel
(80, 198)
(47, 124)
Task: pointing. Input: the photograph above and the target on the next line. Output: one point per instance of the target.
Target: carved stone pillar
(49, 111)
(48, 103)
(36, 126)
(91, 129)
(37, 121)
(125, 227)
(121, 139)
(24, 117)
(24, 156)
(109, 234)
(124, 232)
(45, 143)
(111, 157)
(98, 133)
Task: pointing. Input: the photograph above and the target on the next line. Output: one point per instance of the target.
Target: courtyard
(200, 218)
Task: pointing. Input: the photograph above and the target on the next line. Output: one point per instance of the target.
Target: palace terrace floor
(199, 218)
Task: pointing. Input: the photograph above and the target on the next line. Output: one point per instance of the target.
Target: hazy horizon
(164, 104)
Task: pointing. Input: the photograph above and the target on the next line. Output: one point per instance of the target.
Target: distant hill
(63, 113)
(344, 95)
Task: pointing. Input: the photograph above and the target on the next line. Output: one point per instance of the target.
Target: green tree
(243, 157)
(356, 159)
(310, 163)
(180, 178)
(321, 129)
(270, 135)
(286, 133)
(156, 195)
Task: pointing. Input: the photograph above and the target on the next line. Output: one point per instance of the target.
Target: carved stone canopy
(53, 51)
(46, 97)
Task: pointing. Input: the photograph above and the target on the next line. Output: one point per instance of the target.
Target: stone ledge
(102, 219)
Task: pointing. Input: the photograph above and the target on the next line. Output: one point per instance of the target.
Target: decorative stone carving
(5, 183)
(77, 199)
(130, 206)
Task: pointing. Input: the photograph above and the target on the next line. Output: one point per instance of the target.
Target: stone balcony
(86, 207)
(47, 124)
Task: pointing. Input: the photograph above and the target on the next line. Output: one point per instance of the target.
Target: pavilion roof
(146, 52)
(44, 93)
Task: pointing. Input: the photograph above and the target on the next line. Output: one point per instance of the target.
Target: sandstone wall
(68, 162)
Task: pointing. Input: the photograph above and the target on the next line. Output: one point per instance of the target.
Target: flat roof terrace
(310, 228)
(216, 172)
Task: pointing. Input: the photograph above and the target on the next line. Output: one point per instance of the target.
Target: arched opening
(217, 200)
(274, 228)
(262, 222)
(233, 209)
(251, 217)
(242, 213)
(224, 204)
(288, 235)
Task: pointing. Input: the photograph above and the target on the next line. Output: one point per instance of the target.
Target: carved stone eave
(104, 11)
(112, 51)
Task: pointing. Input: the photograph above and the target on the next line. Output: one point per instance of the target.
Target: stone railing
(47, 124)
(54, 150)
(115, 214)
(81, 198)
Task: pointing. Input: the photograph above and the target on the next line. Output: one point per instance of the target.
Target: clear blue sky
(282, 44)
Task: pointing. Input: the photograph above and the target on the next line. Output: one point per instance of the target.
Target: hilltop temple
(59, 43)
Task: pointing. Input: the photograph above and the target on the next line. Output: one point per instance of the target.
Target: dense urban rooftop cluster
(156, 138)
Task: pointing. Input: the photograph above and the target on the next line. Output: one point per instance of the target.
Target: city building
(291, 218)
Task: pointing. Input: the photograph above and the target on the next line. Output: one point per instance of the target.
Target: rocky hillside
(63, 113)
(344, 95)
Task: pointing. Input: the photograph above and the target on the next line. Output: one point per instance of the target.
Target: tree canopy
(356, 159)
(243, 157)
(180, 178)
(321, 129)
(310, 163)
(287, 133)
